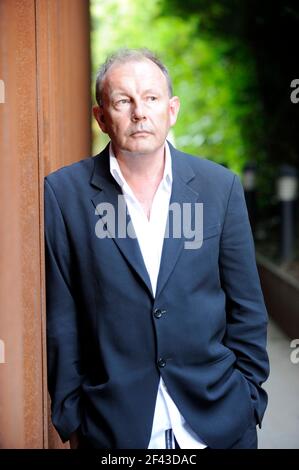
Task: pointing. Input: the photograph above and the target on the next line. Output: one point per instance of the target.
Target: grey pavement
(280, 427)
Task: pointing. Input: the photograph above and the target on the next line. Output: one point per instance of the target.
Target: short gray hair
(128, 55)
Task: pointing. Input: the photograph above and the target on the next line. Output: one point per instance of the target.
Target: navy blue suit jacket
(105, 339)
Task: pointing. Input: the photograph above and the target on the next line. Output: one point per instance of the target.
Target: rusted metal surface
(21, 417)
(64, 103)
(63, 63)
(44, 124)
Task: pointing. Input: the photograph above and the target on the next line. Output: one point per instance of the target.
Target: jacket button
(161, 362)
(158, 312)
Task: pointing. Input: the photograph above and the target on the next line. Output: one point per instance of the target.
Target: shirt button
(161, 362)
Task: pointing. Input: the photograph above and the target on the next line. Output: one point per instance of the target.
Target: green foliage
(264, 36)
(215, 93)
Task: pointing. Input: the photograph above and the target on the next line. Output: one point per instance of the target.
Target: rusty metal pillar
(44, 124)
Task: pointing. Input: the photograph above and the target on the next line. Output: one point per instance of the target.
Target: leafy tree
(215, 93)
(263, 33)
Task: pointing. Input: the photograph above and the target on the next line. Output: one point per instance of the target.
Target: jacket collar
(101, 175)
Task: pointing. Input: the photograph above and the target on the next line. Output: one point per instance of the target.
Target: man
(155, 340)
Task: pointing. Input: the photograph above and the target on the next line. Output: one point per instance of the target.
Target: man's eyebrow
(154, 91)
(116, 93)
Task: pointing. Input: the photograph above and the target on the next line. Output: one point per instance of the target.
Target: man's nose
(138, 111)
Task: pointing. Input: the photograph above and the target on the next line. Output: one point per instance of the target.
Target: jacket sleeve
(246, 332)
(63, 348)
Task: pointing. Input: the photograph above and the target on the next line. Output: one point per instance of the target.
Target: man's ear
(99, 116)
(174, 107)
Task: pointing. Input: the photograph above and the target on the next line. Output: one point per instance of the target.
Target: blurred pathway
(280, 429)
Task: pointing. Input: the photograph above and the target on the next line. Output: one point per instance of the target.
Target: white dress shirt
(150, 236)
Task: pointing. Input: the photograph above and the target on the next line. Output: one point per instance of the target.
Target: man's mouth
(140, 133)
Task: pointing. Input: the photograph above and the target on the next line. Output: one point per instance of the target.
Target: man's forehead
(122, 72)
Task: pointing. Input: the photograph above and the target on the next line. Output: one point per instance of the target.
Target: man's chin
(141, 150)
(139, 153)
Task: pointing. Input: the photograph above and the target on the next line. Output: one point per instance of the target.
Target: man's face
(137, 111)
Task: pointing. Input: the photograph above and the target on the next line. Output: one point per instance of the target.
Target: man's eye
(123, 101)
(152, 98)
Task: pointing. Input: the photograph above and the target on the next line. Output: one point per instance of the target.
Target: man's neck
(143, 173)
(142, 167)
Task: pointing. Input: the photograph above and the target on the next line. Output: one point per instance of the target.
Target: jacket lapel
(109, 193)
(181, 193)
